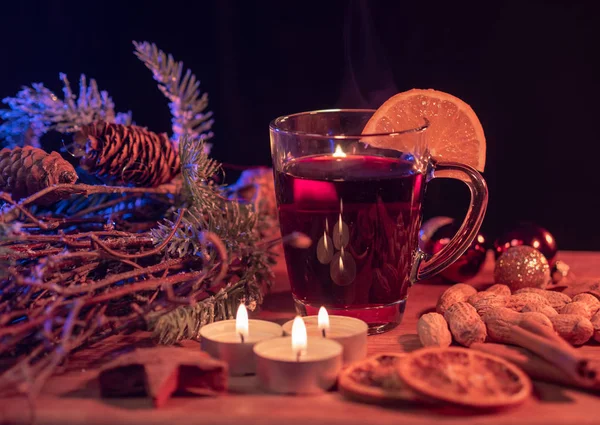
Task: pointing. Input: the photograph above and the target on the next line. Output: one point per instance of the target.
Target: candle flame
(299, 338)
(241, 322)
(323, 321)
(341, 261)
(339, 153)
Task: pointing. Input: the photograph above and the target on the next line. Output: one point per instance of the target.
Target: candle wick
(298, 354)
(324, 333)
(242, 337)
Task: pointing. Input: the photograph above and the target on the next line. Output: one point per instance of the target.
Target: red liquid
(364, 260)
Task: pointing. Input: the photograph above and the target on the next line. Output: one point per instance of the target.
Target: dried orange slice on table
(454, 134)
(464, 377)
(375, 380)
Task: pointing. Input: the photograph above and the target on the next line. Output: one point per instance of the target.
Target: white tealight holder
(224, 340)
(350, 332)
(284, 367)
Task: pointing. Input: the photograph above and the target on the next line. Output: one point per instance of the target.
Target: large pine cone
(128, 154)
(25, 171)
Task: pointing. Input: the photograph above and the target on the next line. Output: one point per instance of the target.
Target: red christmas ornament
(529, 234)
(437, 232)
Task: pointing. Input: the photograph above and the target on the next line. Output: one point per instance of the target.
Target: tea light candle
(348, 331)
(298, 364)
(233, 340)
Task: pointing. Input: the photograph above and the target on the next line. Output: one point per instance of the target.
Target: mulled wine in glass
(361, 206)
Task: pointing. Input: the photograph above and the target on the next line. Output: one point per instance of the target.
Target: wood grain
(72, 397)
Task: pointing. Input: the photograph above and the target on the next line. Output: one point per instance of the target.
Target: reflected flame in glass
(339, 153)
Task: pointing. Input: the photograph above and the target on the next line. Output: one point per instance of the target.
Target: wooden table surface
(72, 398)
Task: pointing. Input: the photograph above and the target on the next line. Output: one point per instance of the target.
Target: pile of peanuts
(467, 316)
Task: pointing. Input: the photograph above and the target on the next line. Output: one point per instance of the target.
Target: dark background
(529, 70)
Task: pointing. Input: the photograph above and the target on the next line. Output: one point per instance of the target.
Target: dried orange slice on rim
(454, 133)
(464, 377)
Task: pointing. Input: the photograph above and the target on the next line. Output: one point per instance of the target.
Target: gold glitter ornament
(522, 267)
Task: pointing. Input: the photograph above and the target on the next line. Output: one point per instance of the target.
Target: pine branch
(185, 322)
(182, 90)
(90, 266)
(209, 210)
(235, 224)
(36, 110)
(198, 171)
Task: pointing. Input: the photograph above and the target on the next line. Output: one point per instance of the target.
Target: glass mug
(362, 208)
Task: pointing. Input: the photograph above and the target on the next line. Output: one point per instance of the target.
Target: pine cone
(25, 171)
(128, 154)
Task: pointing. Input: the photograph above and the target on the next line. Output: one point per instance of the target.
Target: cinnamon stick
(508, 327)
(583, 368)
(565, 359)
(535, 366)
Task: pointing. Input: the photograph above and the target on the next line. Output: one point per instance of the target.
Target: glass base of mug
(380, 319)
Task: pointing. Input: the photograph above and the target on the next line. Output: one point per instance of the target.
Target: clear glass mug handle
(425, 268)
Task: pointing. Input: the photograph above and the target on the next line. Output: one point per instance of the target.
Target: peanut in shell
(554, 298)
(465, 324)
(588, 299)
(433, 330)
(596, 325)
(576, 330)
(577, 308)
(516, 302)
(482, 301)
(545, 309)
(499, 289)
(456, 293)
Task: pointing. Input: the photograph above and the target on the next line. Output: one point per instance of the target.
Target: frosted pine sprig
(36, 110)
(187, 105)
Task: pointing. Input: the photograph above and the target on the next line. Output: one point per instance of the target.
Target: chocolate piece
(161, 371)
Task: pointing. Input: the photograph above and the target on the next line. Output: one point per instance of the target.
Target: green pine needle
(235, 224)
